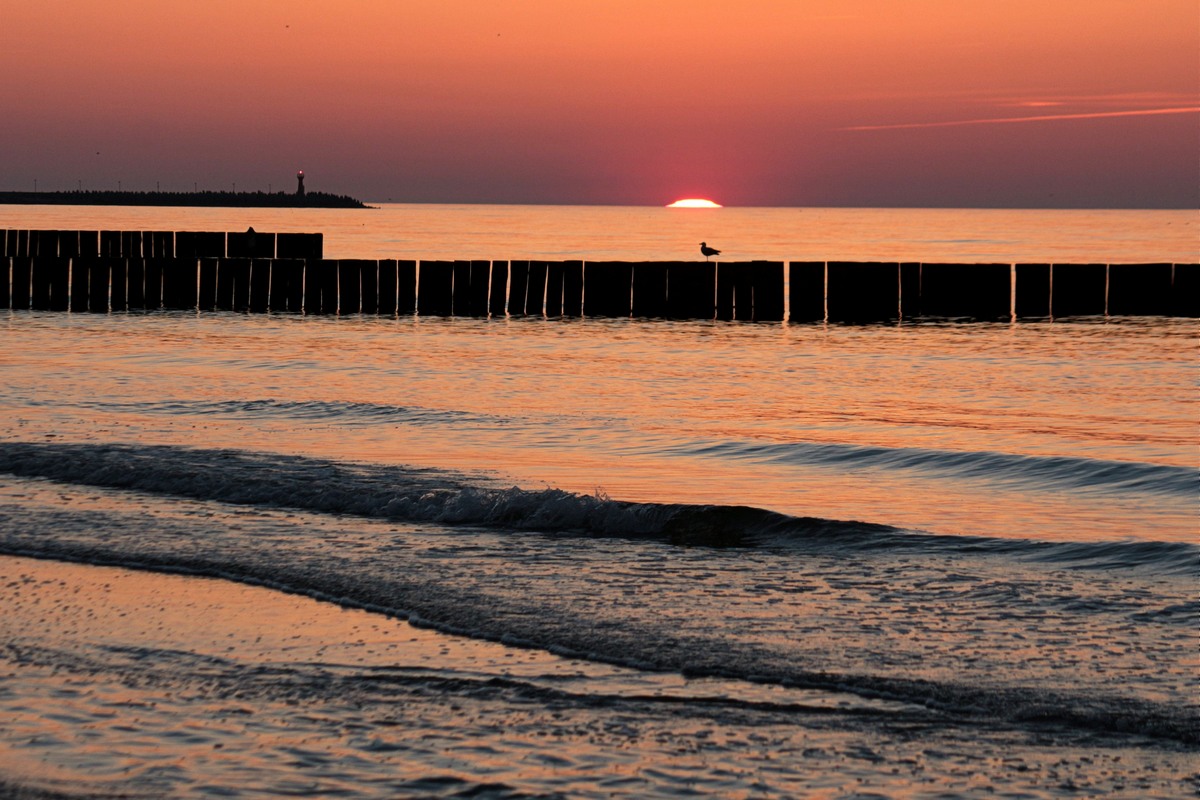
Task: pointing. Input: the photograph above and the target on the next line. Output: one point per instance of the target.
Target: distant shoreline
(200, 199)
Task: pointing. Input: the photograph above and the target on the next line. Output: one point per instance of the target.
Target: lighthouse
(300, 183)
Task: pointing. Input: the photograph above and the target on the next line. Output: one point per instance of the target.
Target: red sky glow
(1010, 103)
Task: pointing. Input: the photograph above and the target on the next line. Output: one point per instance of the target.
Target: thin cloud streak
(1145, 112)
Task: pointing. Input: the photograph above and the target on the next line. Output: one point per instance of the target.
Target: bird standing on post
(707, 251)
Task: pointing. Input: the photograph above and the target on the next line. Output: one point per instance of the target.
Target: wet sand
(135, 684)
(83, 710)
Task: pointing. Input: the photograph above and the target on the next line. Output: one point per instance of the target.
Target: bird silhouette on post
(707, 251)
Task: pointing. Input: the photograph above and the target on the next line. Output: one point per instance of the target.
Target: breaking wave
(429, 495)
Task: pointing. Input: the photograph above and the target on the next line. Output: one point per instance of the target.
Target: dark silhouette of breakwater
(299, 199)
(104, 271)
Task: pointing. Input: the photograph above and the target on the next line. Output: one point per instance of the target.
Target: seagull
(707, 251)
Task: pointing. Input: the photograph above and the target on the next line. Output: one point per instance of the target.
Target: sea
(265, 555)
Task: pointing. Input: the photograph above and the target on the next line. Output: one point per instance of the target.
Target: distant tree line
(207, 198)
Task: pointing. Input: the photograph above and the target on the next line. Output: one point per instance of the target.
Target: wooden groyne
(102, 271)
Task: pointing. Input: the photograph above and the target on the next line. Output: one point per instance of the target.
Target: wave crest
(429, 495)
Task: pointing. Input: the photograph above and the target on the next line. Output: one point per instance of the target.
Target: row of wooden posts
(160, 244)
(756, 290)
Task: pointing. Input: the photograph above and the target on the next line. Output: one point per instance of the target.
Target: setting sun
(694, 202)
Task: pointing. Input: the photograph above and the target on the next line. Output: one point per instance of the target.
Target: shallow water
(919, 560)
(1058, 431)
(166, 684)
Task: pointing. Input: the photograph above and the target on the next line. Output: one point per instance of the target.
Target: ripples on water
(615, 233)
(1066, 430)
(916, 560)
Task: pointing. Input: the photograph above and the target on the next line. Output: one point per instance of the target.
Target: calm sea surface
(731, 559)
(614, 233)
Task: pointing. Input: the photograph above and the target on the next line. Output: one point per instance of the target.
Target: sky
(941, 103)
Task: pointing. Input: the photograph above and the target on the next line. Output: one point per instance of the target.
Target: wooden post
(154, 282)
(386, 291)
(435, 288)
(43, 244)
(300, 245)
(1139, 289)
(859, 292)
(691, 290)
(250, 244)
(607, 288)
(241, 283)
(806, 291)
(572, 289)
(50, 282)
(766, 278)
(60, 286)
(350, 285)
(260, 285)
(1032, 291)
(89, 244)
(131, 245)
(206, 299)
(98, 277)
(135, 283)
(68, 244)
(498, 296)
(1077, 289)
(320, 287)
(110, 243)
(518, 276)
(1185, 290)
(369, 281)
(5, 278)
(313, 278)
(554, 289)
(287, 286)
(978, 291)
(406, 287)
(725, 290)
(743, 289)
(241, 244)
(735, 290)
(223, 300)
(910, 290)
(119, 277)
(179, 282)
(461, 295)
(649, 290)
(535, 290)
(39, 282)
(200, 244)
(81, 270)
(481, 279)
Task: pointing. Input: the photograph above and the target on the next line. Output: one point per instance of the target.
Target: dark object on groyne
(300, 199)
(256, 271)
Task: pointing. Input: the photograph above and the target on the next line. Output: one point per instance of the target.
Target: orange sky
(751, 102)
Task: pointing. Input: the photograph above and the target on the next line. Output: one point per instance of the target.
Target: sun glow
(694, 202)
